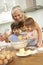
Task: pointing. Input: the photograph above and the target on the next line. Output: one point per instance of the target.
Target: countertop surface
(35, 59)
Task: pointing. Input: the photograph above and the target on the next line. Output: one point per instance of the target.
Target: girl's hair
(30, 22)
(14, 26)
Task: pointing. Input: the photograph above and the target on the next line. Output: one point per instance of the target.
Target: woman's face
(18, 15)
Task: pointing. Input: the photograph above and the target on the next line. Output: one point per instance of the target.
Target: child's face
(16, 31)
(29, 28)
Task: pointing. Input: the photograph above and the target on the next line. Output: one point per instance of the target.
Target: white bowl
(19, 44)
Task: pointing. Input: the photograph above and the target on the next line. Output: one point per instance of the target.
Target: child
(32, 34)
(15, 32)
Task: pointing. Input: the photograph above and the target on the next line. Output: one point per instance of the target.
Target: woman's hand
(39, 44)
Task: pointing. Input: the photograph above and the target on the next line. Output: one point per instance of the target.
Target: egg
(2, 56)
(8, 52)
(8, 56)
(10, 59)
(4, 52)
(1, 62)
(5, 61)
(13, 54)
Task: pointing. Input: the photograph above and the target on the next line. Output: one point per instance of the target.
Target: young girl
(32, 34)
(15, 32)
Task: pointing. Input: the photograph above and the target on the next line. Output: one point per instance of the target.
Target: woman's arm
(39, 35)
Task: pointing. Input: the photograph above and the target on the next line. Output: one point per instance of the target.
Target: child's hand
(24, 37)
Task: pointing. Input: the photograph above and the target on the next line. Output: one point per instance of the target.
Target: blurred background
(33, 8)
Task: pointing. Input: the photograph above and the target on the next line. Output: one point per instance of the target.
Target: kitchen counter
(36, 59)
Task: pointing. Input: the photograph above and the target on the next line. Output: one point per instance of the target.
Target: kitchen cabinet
(5, 21)
(30, 3)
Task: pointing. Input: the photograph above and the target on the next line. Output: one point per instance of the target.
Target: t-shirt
(32, 41)
(13, 38)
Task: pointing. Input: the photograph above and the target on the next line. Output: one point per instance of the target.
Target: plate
(40, 49)
(31, 47)
(23, 54)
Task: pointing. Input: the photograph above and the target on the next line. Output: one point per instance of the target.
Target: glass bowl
(19, 44)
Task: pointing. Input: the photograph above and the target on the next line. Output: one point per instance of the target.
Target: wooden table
(36, 59)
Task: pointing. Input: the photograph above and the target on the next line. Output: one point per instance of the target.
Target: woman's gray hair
(14, 9)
